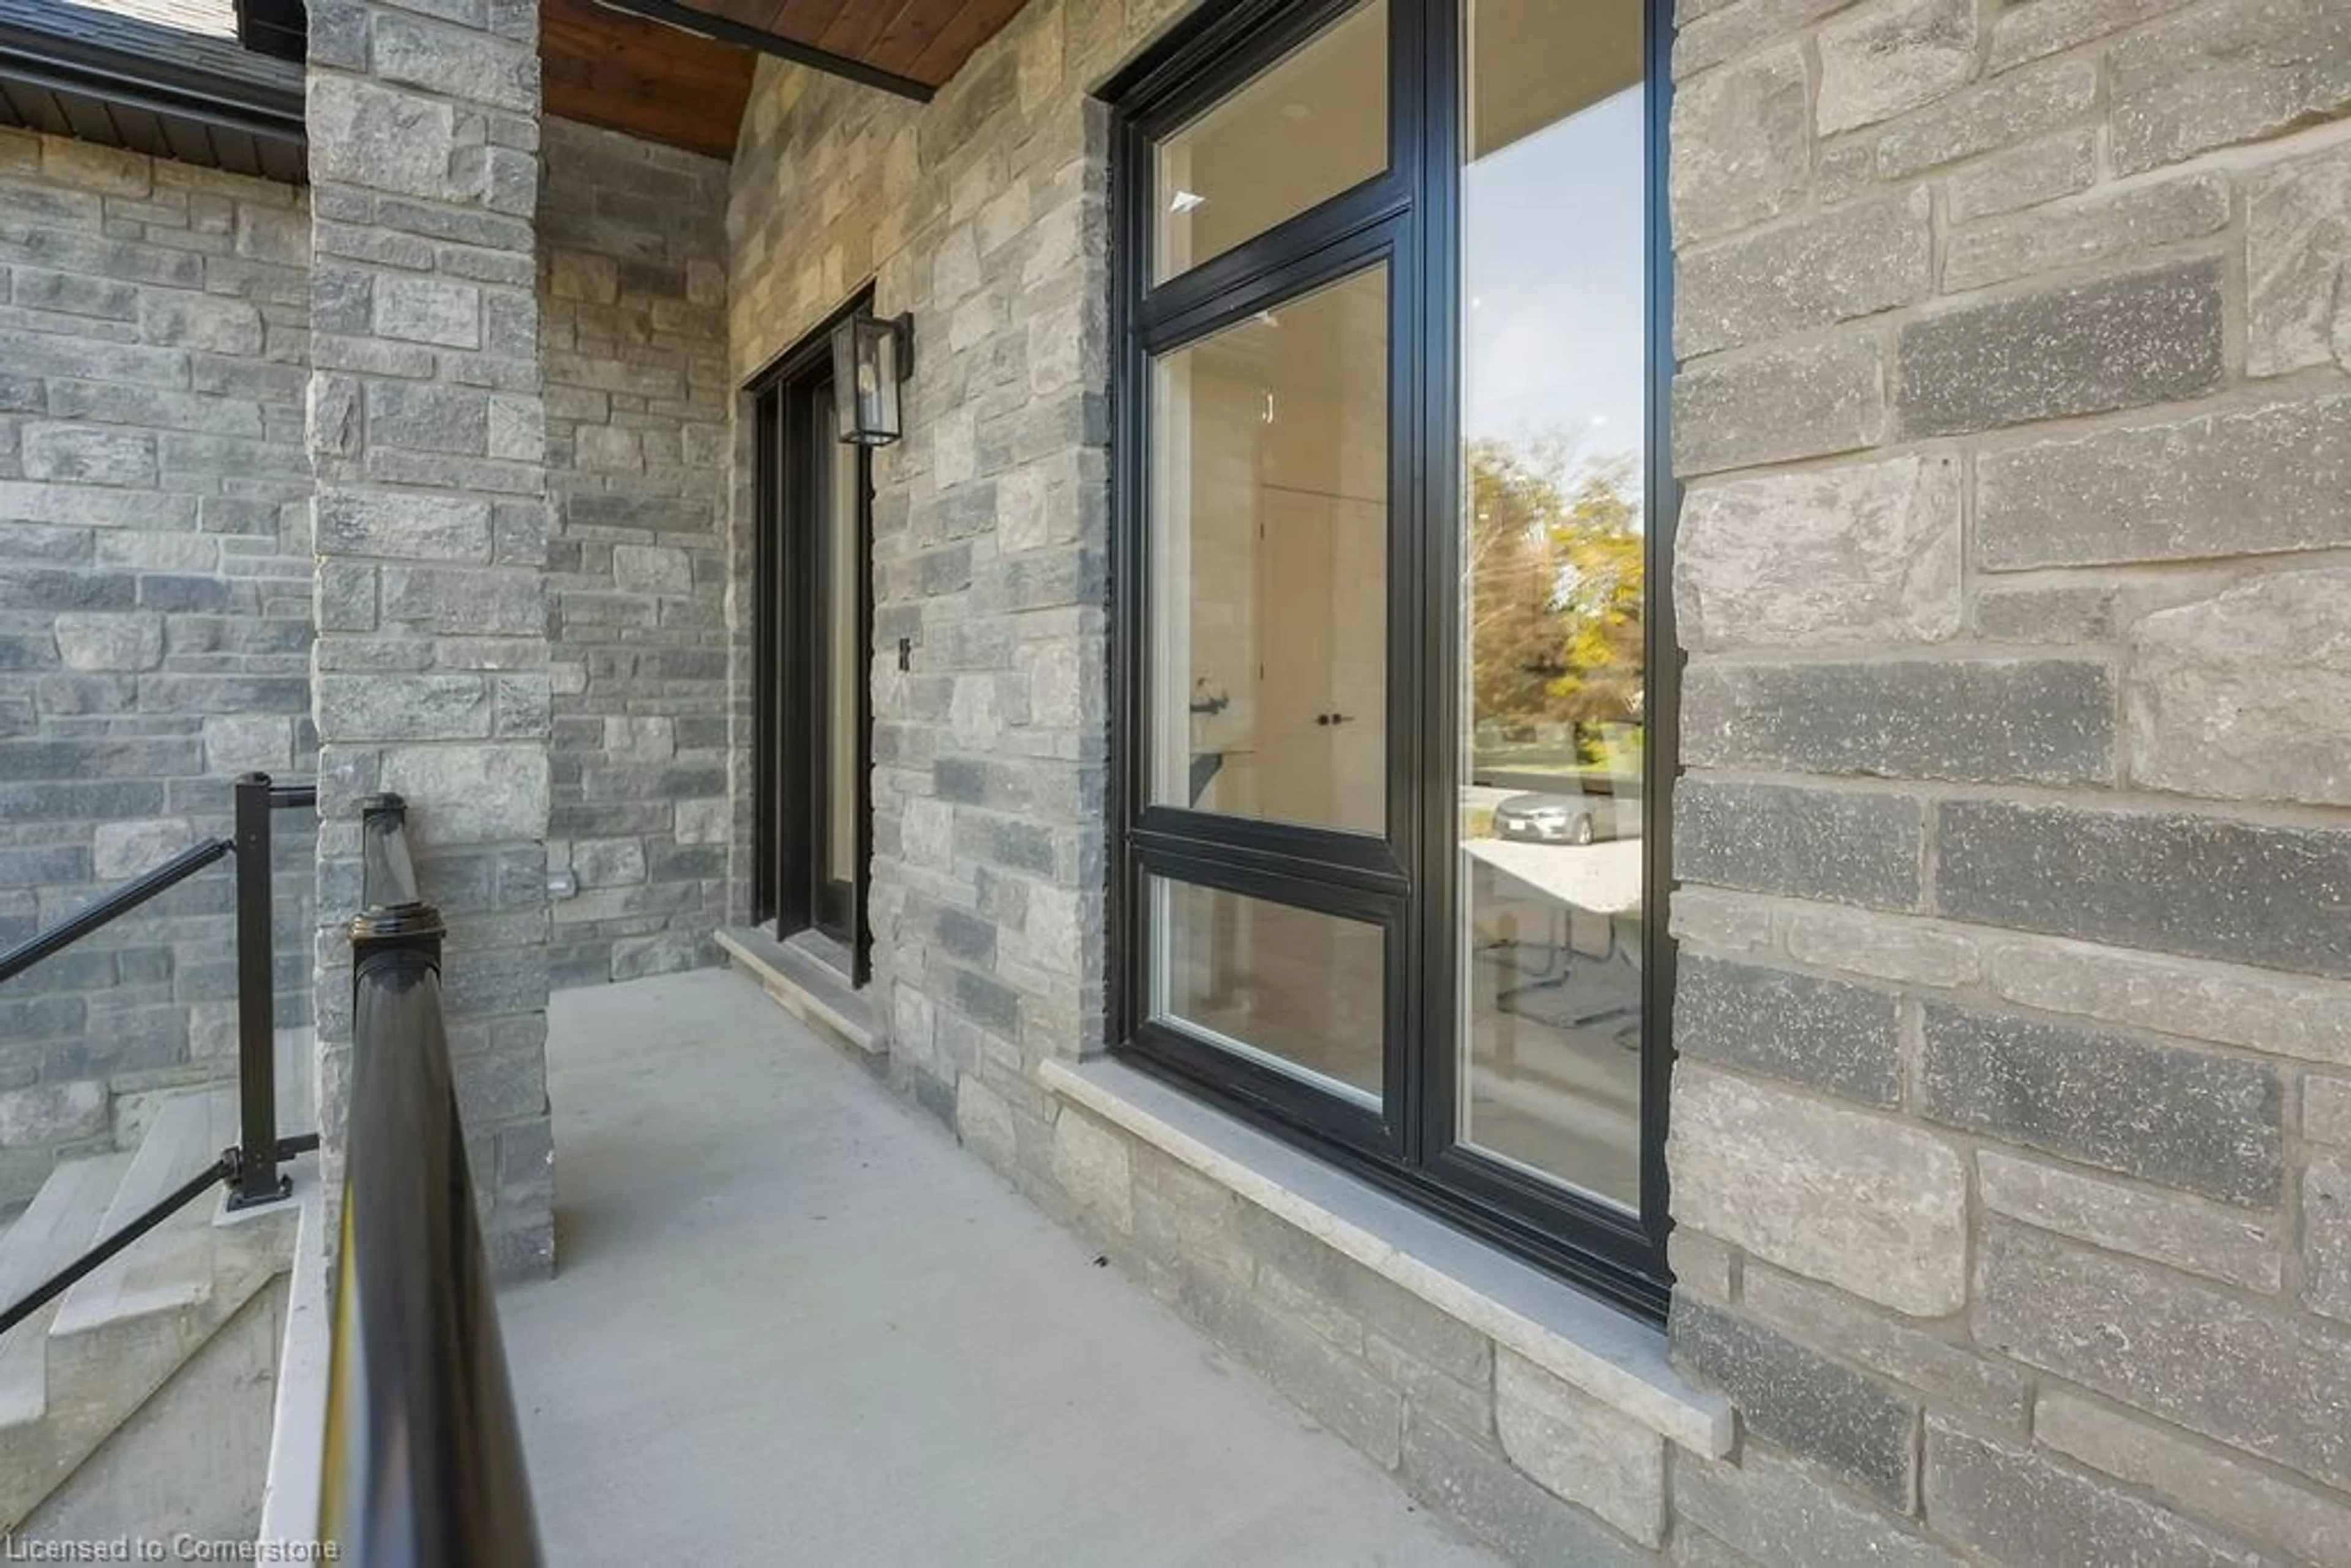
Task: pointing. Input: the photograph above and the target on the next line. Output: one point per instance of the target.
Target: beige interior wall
(1315, 126)
(1275, 450)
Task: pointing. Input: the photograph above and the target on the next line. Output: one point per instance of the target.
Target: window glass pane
(1269, 519)
(1298, 989)
(1312, 125)
(1554, 405)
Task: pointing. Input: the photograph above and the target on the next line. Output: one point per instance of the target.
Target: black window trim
(1406, 216)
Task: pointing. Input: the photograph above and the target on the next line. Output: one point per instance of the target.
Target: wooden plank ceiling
(627, 74)
(630, 73)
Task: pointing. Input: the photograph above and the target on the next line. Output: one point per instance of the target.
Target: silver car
(1553, 819)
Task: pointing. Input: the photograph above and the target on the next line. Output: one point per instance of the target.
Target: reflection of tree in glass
(1557, 585)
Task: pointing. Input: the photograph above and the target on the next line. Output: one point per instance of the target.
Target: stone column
(427, 441)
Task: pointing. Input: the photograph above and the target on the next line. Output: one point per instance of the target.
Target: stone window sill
(1611, 1357)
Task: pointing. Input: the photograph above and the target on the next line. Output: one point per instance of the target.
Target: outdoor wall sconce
(871, 356)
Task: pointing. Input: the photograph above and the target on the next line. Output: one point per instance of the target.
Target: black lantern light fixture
(871, 356)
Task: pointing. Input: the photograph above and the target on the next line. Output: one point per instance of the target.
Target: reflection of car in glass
(1555, 819)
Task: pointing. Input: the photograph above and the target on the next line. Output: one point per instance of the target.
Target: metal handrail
(424, 1463)
(250, 1170)
(224, 1169)
(113, 906)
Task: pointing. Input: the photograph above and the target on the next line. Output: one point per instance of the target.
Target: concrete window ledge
(1613, 1358)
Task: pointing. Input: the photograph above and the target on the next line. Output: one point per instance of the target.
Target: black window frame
(792, 417)
(1406, 215)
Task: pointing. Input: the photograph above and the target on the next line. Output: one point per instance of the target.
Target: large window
(1396, 704)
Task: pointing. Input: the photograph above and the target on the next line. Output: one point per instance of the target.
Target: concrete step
(58, 1228)
(135, 1110)
(121, 1332)
(171, 1266)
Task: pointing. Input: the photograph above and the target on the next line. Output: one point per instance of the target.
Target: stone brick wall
(154, 614)
(983, 213)
(427, 439)
(2010, 1133)
(633, 329)
(2008, 1147)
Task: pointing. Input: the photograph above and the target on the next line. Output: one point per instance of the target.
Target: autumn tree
(1603, 596)
(1555, 562)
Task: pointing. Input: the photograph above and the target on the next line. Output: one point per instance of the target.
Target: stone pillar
(427, 441)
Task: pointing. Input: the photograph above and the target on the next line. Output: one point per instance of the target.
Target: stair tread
(171, 1265)
(292, 1055)
(64, 1219)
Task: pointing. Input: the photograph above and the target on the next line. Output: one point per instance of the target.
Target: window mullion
(1431, 1042)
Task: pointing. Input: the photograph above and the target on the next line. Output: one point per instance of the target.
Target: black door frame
(791, 419)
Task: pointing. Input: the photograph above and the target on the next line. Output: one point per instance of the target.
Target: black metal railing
(113, 906)
(424, 1463)
(257, 803)
(250, 1167)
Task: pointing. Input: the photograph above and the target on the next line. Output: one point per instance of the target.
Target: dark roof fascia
(159, 86)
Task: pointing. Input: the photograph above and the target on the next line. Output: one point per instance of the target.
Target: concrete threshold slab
(794, 1323)
(805, 986)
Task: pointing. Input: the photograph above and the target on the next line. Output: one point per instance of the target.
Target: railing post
(395, 918)
(258, 1178)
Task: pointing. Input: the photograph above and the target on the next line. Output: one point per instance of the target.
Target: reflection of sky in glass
(1552, 267)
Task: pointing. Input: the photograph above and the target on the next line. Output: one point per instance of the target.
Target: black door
(813, 625)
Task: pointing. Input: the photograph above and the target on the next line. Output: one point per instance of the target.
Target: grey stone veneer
(633, 327)
(158, 595)
(427, 438)
(984, 215)
(2055, 724)
(154, 614)
(2008, 1145)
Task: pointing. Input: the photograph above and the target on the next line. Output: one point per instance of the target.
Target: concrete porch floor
(795, 1324)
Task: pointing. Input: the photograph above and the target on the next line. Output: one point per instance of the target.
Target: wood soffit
(633, 66)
